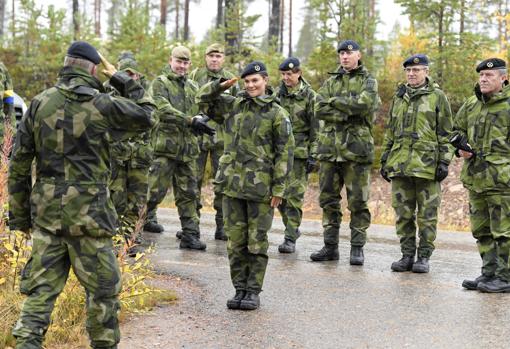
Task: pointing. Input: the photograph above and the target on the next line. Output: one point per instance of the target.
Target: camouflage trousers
(128, 190)
(45, 276)
(165, 173)
(408, 196)
(218, 197)
(246, 226)
(290, 209)
(490, 224)
(356, 178)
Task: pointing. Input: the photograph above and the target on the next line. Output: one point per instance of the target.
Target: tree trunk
(282, 21)
(13, 22)
(440, 41)
(219, 14)
(232, 30)
(2, 17)
(163, 10)
(186, 20)
(274, 23)
(76, 19)
(176, 34)
(290, 28)
(97, 17)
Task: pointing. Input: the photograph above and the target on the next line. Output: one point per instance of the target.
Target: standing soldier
(68, 209)
(176, 147)
(6, 101)
(415, 158)
(346, 103)
(131, 160)
(298, 98)
(252, 174)
(213, 70)
(481, 132)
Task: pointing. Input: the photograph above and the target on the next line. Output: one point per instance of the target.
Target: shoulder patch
(371, 84)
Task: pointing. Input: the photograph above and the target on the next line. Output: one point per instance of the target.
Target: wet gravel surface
(321, 305)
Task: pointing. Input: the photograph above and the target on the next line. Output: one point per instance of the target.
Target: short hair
(79, 62)
(503, 71)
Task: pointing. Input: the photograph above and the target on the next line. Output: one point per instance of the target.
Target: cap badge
(257, 68)
(490, 64)
(291, 65)
(349, 47)
(416, 60)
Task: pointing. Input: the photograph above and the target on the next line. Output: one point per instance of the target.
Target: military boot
(288, 246)
(421, 265)
(357, 256)
(235, 302)
(219, 234)
(327, 253)
(178, 235)
(496, 285)
(404, 264)
(192, 242)
(153, 227)
(251, 301)
(473, 284)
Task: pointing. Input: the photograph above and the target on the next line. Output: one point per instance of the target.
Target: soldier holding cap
(213, 70)
(415, 158)
(176, 147)
(346, 103)
(298, 98)
(252, 174)
(484, 123)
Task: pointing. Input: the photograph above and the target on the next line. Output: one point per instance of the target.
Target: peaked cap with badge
(418, 59)
(491, 64)
(289, 64)
(254, 67)
(348, 45)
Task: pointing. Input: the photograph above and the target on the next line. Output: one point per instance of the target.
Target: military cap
(289, 63)
(125, 55)
(490, 64)
(83, 50)
(418, 59)
(214, 48)
(348, 45)
(181, 52)
(254, 67)
(128, 64)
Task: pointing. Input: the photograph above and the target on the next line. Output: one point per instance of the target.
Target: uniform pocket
(108, 274)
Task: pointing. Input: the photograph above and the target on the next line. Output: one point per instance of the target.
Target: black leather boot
(496, 285)
(219, 234)
(404, 264)
(251, 301)
(235, 302)
(327, 253)
(192, 242)
(473, 284)
(153, 227)
(421, 265)
(287, 246)
(357, 256)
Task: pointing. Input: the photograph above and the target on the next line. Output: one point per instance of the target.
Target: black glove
(311, 165)
(460, 142)
(384, 174)
(199, 126)
(441, 171)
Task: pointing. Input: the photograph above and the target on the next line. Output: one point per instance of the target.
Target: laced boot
(251, 301)
(288, 246)
(404, 264)
(235, 302)
(357, 256)
(326, 253)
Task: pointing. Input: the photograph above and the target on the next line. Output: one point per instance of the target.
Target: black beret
(254, 67)
(418, 59)
(490, 64)
(289, 63)
(84, 50)
(348, 45)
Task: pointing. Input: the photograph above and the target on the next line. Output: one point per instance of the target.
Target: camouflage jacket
(300, 105)
(6, 100)
(202, 76)
(486, 123)
(137, 149)
(347, 103)
(259, 144)
(417, 132)
(67, 130)
(174, 96)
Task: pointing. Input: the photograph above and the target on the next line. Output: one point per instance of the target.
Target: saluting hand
(225, 85)
(276, 201)
(109, 68)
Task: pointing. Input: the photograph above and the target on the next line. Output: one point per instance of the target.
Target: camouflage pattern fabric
(67, 130)
(174, 143)
(416, 200)
(6, 102)
(246, 226)
(417, 132)
(258, 157)
(356, 178)
(45, 276)
(485, 122)
(300, 104)
(212, 145)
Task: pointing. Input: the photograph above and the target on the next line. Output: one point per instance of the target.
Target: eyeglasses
(413, 70)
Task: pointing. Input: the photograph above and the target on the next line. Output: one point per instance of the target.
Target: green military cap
(181, 52)
(128, 64)
(215, 48)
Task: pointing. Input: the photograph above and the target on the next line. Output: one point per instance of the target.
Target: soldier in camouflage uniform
(6, 101)
(346, 103)
(68, 209)
(175, 147)
(252, 174)
(214, 58)
(415, 158)
(131, 160)
(298, 98)
(481, 132)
